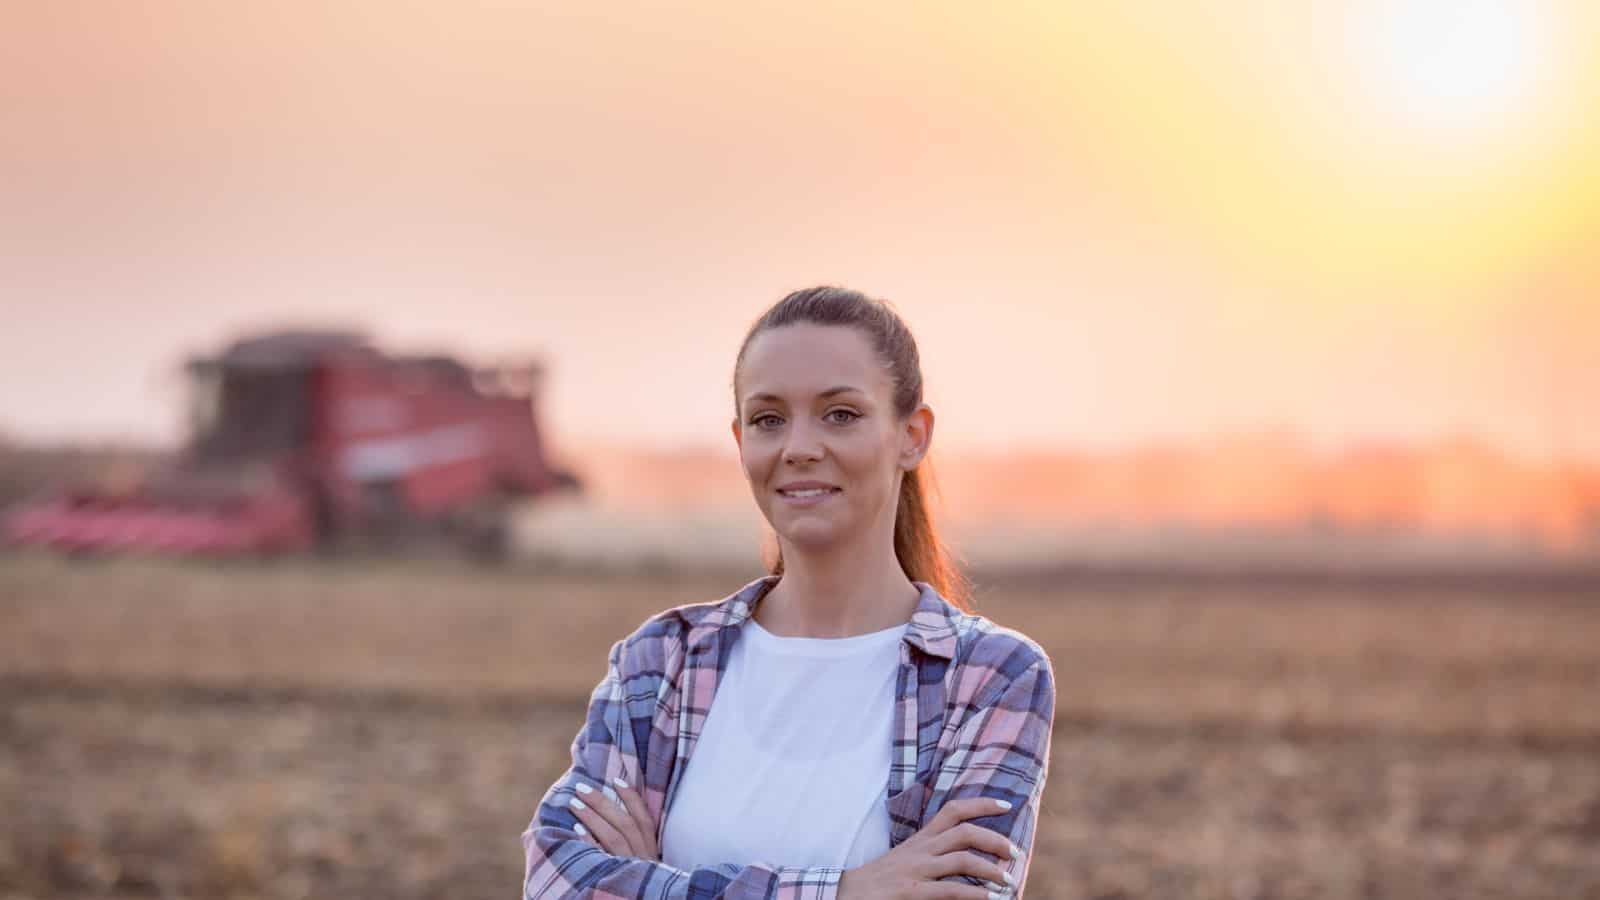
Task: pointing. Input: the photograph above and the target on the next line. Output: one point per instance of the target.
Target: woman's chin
(810, 536)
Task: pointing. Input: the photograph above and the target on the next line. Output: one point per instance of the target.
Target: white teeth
(809, 492)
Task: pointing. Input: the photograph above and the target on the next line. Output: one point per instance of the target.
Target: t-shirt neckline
(811, 646)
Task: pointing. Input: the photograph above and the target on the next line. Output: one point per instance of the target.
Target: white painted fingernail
(1003, 804)
(619, 782)
(578, 804)
(580, 829)
(584, 788)
(1011, 880)
(994, 896)
(610, 795)
(1016, 853)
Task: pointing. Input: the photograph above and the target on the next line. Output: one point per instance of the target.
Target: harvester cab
(310, 438)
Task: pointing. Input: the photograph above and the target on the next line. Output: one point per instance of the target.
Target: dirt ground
(318, 730)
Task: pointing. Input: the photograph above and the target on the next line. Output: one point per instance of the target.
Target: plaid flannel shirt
(973, 712)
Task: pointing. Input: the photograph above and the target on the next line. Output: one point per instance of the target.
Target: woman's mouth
(809, 496)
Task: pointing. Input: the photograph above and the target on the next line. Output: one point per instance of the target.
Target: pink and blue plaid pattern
(973, 714)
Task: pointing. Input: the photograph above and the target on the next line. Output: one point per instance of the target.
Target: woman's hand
(615, 820)
(941, 848)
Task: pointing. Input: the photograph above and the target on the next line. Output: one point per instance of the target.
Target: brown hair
(922, 555)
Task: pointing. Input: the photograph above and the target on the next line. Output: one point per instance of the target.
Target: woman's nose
(803, 445)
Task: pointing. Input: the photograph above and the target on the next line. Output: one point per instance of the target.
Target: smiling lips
(806, 490)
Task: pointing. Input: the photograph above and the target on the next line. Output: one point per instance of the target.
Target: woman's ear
(916, 437)
(738, 439)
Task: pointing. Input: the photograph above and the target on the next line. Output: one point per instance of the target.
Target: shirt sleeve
(560, 864)
(1003, 751)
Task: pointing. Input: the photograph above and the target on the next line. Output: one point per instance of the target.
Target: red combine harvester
(316, 439)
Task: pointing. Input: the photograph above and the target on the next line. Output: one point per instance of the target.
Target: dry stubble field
(386, 730)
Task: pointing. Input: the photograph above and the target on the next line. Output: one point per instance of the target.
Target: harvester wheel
(484, 530)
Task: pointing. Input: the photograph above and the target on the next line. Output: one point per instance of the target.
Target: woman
(856, 732)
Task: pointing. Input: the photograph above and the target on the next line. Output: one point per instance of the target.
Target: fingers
(965, 862)
(958, 811)
(609, 805)
(954, 845)
(638, 813)
(631, 823)
(607, 835)
(969, 836)
(950, 890)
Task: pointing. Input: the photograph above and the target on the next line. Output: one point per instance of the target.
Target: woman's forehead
(806, 361)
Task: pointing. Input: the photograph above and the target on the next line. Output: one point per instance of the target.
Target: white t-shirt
(793, 763)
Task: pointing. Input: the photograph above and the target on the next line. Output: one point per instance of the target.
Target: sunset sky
(1106, 223)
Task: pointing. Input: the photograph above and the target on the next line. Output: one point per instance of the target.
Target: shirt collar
(932, 629)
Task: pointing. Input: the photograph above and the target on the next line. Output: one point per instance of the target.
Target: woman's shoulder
(664, 636)
(995, 655)
(652, 644)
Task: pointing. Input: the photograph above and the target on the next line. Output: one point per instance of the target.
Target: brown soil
(387, 730)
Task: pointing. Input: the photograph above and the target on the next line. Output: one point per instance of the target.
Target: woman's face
(819, 439)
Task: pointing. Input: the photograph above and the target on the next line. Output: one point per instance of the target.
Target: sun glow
(1454, 63)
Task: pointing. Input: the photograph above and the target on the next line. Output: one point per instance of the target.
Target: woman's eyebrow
(830, 392)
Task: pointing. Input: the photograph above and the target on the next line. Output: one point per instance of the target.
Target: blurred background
(367, 374)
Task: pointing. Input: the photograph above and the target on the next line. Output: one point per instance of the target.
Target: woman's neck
(841, 595)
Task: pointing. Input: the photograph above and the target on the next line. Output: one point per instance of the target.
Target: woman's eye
(848, 416)
(762, 421)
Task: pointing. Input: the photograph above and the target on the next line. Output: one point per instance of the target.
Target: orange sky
(1106, 226)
